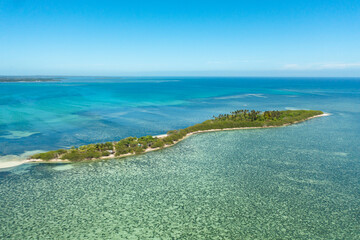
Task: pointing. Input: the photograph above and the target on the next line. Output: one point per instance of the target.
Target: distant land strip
(28, 79)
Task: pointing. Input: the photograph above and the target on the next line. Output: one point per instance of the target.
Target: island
(239, 119)
(11, 79)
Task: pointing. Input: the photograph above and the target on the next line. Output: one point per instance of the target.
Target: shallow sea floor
(284, 183)
(296, 182)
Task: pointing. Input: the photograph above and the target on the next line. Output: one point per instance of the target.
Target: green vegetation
(88, 152)
(134, 145)
(137, 145)
(49, 155)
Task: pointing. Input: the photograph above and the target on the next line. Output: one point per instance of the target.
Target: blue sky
(229, 38)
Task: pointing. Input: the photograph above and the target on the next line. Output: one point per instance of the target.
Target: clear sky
(230, 38)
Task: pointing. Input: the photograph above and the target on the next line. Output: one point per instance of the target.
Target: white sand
(9, 161)
(160, 136)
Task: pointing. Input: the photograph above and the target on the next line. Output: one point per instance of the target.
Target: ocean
(295, 182)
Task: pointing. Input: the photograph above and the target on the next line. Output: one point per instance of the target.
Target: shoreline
(112, 156)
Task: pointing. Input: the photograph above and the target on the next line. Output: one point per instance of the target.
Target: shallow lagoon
(300, 181)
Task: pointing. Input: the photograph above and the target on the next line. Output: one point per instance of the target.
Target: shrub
(138, 150)
(73, 155)
(49, 155)
(159, 143)
(106, 153)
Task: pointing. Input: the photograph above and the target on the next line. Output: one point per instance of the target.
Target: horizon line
(204, 76)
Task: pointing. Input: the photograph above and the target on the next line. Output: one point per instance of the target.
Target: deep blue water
(297, 182)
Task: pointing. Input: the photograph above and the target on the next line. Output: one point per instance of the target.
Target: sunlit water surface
(296, 182)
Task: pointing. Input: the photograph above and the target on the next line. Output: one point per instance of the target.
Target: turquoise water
(296, 182)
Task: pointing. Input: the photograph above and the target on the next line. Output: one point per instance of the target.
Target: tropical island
(239, 119)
